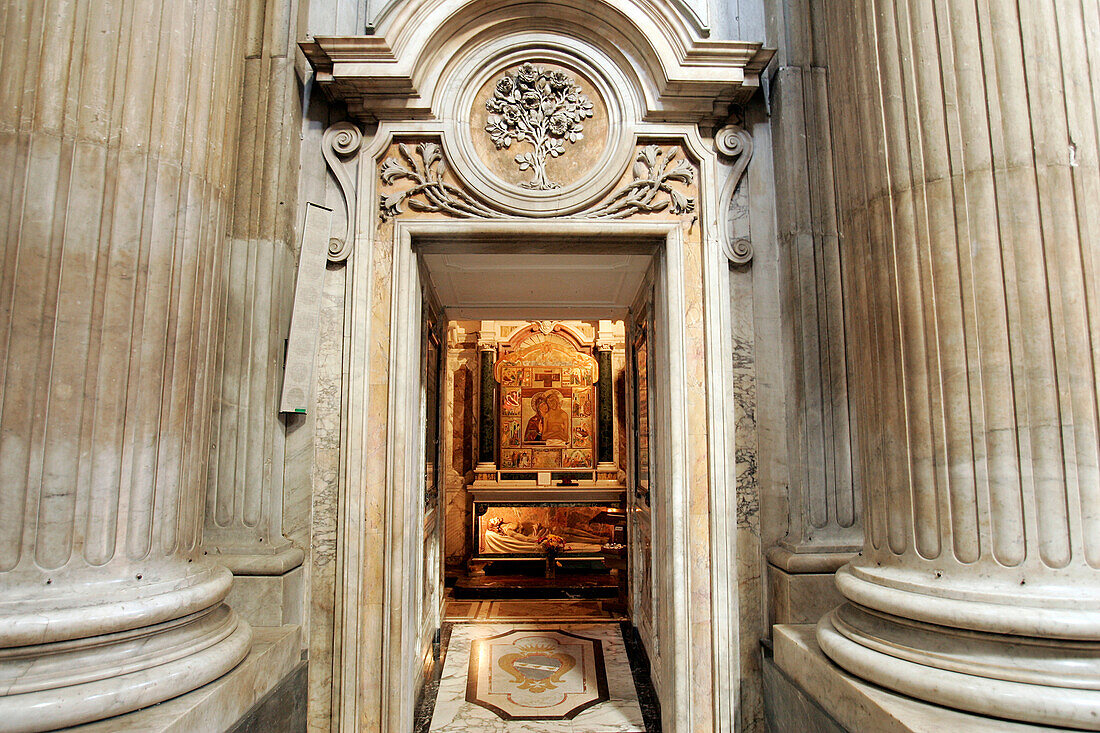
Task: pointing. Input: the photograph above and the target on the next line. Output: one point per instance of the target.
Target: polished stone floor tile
(619, 713)
(528, 610)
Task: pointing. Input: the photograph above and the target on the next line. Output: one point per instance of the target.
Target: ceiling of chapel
(516, 285)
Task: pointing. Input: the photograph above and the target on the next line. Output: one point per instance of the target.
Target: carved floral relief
(544, 108)
(661, 180)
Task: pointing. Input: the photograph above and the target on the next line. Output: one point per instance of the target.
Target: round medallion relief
(540, 127)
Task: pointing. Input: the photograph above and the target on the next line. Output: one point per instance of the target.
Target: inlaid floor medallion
(536, 674)
(535, 678)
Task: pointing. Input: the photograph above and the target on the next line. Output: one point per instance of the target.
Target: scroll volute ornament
(734, 142)
(340, 144)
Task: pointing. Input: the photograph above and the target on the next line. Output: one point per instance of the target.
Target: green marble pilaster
(487, 424)
(605, 430)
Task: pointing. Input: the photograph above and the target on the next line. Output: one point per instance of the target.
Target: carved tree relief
(541, 107)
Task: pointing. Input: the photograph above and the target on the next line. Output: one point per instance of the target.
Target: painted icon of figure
(556, 423)
(536, 426)
(582, 404)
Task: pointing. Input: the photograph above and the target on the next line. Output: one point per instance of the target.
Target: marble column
(605, 430)
(968, 177)
(487, 411)
(243, 527)
(824, 529)
(117, 140)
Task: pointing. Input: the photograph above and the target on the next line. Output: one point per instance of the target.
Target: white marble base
(619, 714)
(268, 600)
(861, 707)
(72, 681)
(219, 704)
(800, 598)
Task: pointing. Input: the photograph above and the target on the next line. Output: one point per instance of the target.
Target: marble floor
(453, 713)
(532, 610)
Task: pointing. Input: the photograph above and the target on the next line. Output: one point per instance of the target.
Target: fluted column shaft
(967, 182)
(824, 495)
(244, 499)
(116, 146)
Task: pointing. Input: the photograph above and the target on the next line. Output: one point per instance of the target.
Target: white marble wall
(117, 142)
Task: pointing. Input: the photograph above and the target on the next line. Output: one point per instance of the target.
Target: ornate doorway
(597, 127)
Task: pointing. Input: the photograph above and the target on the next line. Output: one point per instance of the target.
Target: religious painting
(509, 435)
(543, 458)
(510, 402)
(550, 388)
(577, 458)
(515, 459)
(545, 416)
(582, 433)
(582, 405)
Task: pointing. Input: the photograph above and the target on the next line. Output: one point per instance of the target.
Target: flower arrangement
(552, 545)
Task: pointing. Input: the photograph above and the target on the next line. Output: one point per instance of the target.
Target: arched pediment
(407, 68)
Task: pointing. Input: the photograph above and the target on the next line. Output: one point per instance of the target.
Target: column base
(277, 561)
(70, 683)
(802, 585)
(1044, 681)
(80, 648)
(607, 474)
(823, 697)
(267, 586)
(227, 702)
(485, 474)
(269, 600)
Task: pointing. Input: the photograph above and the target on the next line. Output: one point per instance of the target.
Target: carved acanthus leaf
(654, 172)
(429, 191)
(651, 191)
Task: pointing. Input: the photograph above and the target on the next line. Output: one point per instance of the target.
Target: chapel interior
(571, 366)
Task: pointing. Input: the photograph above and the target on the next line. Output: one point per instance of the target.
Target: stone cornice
(402, 70)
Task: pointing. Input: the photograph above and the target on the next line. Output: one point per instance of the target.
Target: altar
(514, 521)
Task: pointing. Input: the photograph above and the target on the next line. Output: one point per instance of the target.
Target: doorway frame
(401, 662)
(372, 680)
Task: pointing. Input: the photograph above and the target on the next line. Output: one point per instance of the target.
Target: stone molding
(808, 562)
(398, 73)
